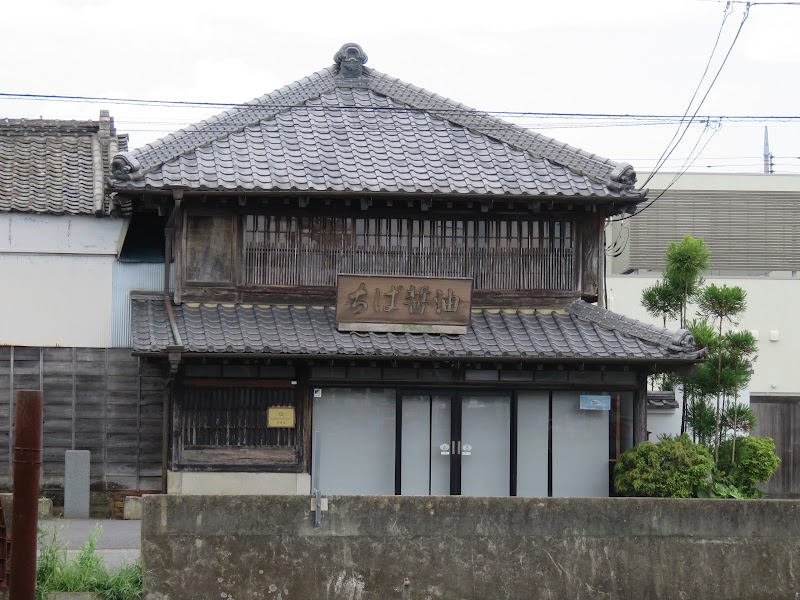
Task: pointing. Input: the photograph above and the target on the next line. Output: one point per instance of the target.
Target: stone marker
(45, 507)
(76, 484)
(133, 508)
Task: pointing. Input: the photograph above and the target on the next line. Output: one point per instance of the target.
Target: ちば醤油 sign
(397, 303)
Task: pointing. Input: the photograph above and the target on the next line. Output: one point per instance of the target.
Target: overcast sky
(593, 56)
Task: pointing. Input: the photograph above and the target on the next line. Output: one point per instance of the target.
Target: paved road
(118, 542)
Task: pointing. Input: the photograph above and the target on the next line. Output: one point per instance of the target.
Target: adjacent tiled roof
(583, 332)
(372, 134)
(56, 167)
(661, 400)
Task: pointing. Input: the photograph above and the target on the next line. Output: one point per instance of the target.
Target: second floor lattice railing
(490, 268)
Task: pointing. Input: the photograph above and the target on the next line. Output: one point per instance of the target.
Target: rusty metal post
(25, 508)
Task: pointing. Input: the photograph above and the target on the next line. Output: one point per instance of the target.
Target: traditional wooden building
(397, 286)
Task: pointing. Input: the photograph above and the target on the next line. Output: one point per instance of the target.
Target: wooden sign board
(280, 416)
(393, 303)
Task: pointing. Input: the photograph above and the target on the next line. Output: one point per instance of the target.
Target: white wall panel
(580, 448)
(55, 234)
(55, 300)
(772, 305)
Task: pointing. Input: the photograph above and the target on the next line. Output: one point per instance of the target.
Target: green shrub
(720, 490)
(673, 468)
(755, 462)
(85, 573)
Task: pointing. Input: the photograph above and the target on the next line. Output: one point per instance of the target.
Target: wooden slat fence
(779, 418)
(102, 400)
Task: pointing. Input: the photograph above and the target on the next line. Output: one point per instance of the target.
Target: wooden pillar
(165, 436)
(640, 410)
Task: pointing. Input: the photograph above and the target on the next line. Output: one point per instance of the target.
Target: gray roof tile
(583, 332)
(47, 166)
(318, 134)
(661, 400)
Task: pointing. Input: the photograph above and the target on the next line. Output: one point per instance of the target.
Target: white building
(65, 247)
(751, 223)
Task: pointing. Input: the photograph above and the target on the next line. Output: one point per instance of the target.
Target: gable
(366, 133)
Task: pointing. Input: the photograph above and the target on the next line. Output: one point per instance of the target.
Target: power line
(694, 115)
(671, 183)
(401, 109)
(711, 85)
(667, 152)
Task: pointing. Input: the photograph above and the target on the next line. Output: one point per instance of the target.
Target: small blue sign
(595, 402)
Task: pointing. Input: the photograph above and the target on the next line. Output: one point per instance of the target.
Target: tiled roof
(584, 332)
(661, 400)
(373, 133)
(56, 167)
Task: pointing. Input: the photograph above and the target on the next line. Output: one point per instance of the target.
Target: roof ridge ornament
(124, 166)
(351, 59)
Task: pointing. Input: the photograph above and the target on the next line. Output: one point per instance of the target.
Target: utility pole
(768, 166)
(25, 505)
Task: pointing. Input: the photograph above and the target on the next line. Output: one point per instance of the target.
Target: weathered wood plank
(57, 355)
(26, 353)
(123, 384)
(90, 355)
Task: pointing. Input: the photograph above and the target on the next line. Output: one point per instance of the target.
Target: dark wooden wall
(103, 400)
(778, 417)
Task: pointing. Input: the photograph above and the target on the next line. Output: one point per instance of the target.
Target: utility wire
(667, 150)
(694, 115)
(671, 183)
(399, 109)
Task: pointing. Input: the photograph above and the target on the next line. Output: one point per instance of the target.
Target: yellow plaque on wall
(280, 416)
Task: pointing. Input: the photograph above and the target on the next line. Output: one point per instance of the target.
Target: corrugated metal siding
(55, 300)
(128, 277)
(745, 230)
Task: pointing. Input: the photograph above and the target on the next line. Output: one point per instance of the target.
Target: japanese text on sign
(416, 299)
(383, 299)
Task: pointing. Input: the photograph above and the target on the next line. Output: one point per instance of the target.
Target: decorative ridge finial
(124, 166)
(350, 58)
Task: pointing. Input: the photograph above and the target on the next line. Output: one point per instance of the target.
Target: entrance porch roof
(583, 332)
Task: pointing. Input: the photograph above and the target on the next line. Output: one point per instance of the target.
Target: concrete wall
(771, 307)
(263, 547)
(663, 422)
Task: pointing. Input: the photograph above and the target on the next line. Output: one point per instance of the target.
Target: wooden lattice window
(509, 253)
(226, 422)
